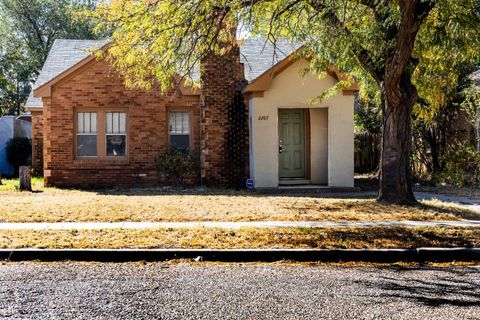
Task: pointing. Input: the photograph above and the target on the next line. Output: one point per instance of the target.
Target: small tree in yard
(390, 46)
(19, 154)
(175, 165)
(19, 151)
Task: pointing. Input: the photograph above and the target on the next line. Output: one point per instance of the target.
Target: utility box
(10, 127)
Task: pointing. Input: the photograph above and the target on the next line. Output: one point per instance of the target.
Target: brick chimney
(221, 77)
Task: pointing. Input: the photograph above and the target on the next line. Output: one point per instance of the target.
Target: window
(87, 134)
(179, 130)
(116, 134)
(101, 134)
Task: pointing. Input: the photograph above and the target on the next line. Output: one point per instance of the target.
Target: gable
(264, 81)
(290, 88)
(63, 55)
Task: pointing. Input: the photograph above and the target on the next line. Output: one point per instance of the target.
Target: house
(89, 130)
(11, 127)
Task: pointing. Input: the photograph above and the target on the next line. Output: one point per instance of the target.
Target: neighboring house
(11, 127)
(92, 131)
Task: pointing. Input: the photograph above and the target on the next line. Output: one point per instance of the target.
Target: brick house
(88, 129)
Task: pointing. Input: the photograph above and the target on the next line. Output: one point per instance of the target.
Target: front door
(291, 132)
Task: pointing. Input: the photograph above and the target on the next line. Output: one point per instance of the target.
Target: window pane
(123, 122)
(109, 123)
(80, 123)
(185, 127)
(171, 121)
(87, 122)
(115, 122)
(86, 145)
(181, 142)
(179, 123)
(116, 145)
(93, 122)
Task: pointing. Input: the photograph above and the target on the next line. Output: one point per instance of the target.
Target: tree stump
(25, 178)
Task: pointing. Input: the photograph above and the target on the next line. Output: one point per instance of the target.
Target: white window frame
(183, 128)
(91, 133)
(124, 133)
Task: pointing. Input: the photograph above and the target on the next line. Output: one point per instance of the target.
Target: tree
(28, 29)
(386, 44)
(471, 105)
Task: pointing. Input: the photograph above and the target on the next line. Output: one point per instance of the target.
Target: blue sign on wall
(250, 184)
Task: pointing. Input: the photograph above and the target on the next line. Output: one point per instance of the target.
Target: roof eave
(44, 90)
(34, 108)
(264, 81)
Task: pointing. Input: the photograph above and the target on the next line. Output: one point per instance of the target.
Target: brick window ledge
(104, 163)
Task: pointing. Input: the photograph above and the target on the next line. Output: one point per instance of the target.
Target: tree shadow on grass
(457, 212)
(453, 287)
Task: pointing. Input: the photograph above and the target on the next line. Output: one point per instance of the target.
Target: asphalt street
(230, 291)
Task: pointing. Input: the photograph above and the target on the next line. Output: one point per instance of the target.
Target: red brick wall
(221, 76)
(96, 86)
(37, 143)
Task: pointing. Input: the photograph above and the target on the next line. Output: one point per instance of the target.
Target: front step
(294, 182)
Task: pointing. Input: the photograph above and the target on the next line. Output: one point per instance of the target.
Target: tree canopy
(167, 38)
(28, 29)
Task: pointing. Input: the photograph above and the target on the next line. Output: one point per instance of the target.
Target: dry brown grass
(328, 238)
(55, 205)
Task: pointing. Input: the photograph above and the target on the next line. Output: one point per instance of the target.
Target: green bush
(175, 165)
(462, 167)
(19, 151)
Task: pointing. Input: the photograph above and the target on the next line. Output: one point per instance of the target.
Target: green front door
(291, 132)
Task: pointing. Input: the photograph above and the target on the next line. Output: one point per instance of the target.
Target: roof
(257, 55)
(63, 55)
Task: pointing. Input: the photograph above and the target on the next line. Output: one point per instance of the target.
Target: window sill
(101, 161)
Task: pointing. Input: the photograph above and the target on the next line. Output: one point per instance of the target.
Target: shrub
(19, 151)
(462, 167)
(175, 165)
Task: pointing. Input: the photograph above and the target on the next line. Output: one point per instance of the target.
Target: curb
(245, 255)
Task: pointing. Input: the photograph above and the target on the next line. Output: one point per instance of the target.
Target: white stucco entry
(330, 129)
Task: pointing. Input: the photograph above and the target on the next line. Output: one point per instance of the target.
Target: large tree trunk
(395, 173)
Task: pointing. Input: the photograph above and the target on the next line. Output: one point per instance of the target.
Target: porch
(295, 142)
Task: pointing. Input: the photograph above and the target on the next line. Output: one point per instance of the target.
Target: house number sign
(260, 118)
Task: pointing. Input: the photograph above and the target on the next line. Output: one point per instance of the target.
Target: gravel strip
(203, 291)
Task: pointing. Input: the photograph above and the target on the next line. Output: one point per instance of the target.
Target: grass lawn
(451, 191)
(328, 238)
(61, 205)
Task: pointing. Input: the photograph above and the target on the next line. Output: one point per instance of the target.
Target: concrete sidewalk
(232, 225)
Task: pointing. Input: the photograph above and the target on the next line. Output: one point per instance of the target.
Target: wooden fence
(367, 152)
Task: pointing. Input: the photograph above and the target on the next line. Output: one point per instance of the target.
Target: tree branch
(363, 56)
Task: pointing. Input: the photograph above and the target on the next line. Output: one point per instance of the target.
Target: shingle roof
(257, 55)
(63, 55)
